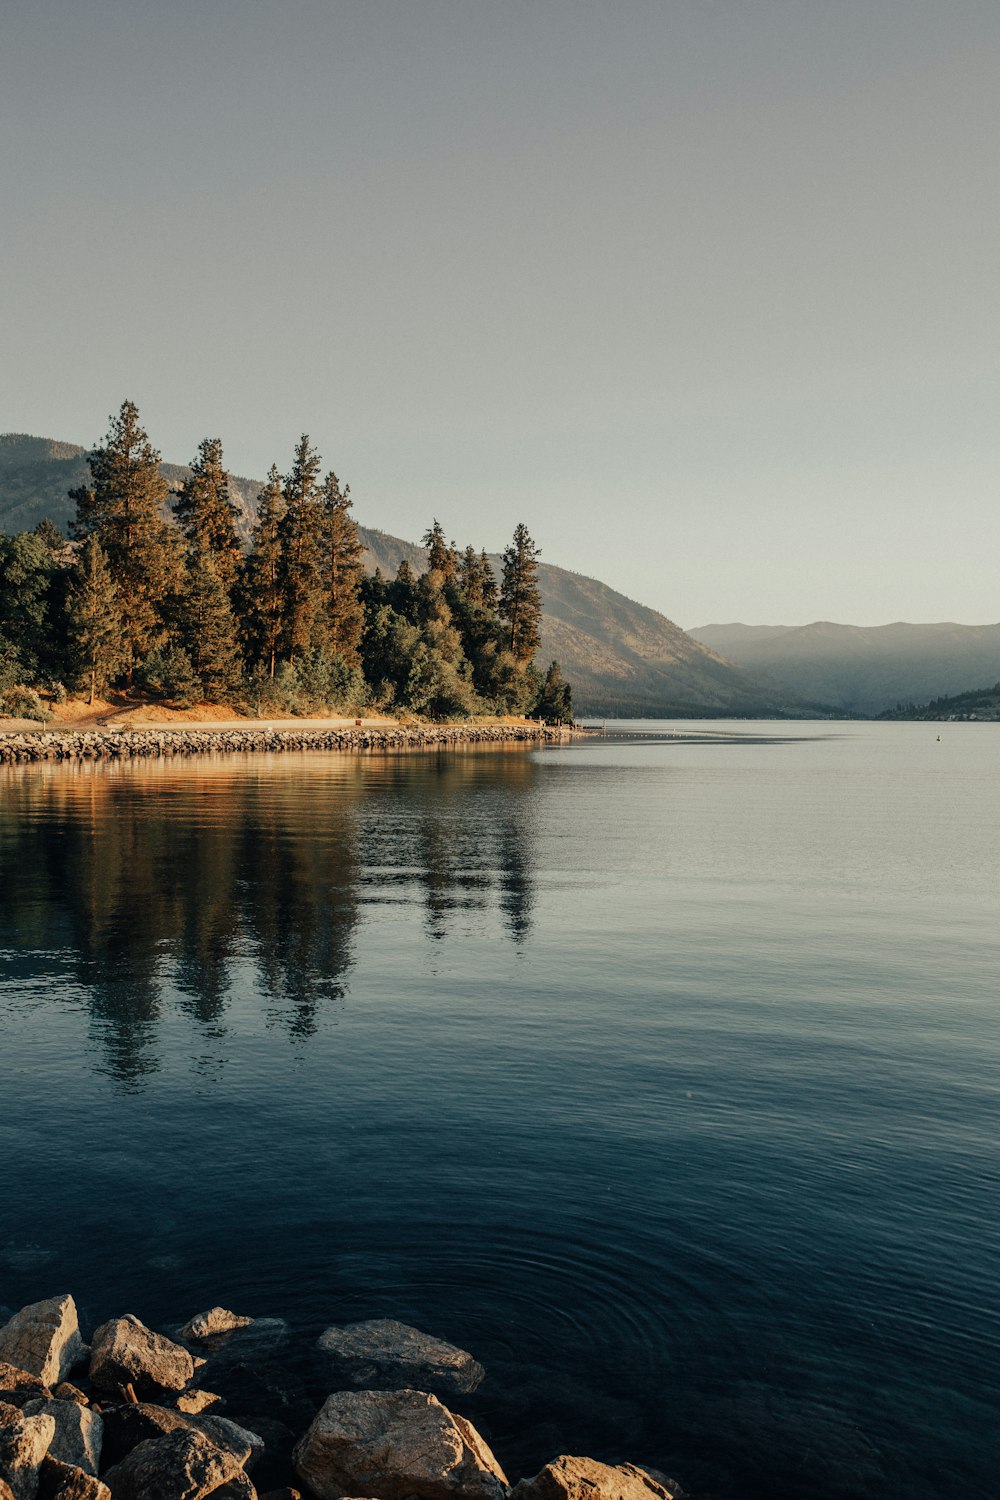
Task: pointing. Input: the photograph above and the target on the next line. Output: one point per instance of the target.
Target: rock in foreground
(394, 1444)
(182, 1465)
(126, 1352)
(44, 1339)
(78, 1434)
(61, 1481)
(384, 1355)
(585, 1479)
(24, 1442)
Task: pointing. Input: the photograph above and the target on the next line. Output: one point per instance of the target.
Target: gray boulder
(181, 1465)
(569, 1478)
(381, 1354)
(78, 1434)
(44, 1339)
(208, 1325)
(391, 1445)
(59, 1481)
(24, 1442)
(126, 1352)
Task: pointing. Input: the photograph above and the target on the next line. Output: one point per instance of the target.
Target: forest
(153, 595)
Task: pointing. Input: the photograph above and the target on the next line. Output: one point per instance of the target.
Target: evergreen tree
(488, 583)
(206, 514)
(343, 570)
(520, 597)
(555, 701)
(301, 529)
(124, 508)
(94, 618)
(208, 627)
(442, 556)
(262, 587)
(26, 575)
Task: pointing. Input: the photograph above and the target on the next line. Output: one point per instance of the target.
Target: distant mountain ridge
(622, 658)
(863, 669)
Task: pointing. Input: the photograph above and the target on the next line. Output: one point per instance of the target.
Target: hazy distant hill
(864, 669)
(622, 658)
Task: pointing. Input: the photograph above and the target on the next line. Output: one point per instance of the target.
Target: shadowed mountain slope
(622, 658)
(864, 669)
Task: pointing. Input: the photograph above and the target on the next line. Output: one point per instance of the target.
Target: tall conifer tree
(208, 626)
(94, 618)
(263, 588)
(442, 555)
(520, 597)
(207, 515)
(124, 507)
(301, 529)
(343, 570)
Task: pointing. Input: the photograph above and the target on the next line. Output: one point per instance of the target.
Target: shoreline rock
(156, 744)
(136, 1427)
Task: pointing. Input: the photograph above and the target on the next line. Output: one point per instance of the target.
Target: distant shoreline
(19, 747)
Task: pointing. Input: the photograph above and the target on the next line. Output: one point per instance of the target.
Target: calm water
(663, 1076)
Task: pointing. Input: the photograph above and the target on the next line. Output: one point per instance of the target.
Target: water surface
(660, 1073)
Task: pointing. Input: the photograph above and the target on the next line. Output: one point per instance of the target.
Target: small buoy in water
(939, 739)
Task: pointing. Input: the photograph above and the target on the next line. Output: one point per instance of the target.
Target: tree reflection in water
(176, 890)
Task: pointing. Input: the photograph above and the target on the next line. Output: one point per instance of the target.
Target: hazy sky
(703, 290)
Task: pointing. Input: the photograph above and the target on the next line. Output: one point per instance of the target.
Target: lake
(662, 1074)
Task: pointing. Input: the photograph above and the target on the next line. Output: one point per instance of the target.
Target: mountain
(862, 669)
(623, 659)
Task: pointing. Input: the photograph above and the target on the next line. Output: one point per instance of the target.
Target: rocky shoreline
(66, 745)
(142, 1415)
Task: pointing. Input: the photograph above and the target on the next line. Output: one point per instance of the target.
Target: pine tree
(555, 701)
(301, 530)
(442, 555)
(488, 583)
(124, 508)
(27, 570)
(343, 570)
(93, 608)
(207, 515)
(520, 597)
(262, 586)
(208, 627)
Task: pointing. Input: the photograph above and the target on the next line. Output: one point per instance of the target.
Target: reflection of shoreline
(175, 888)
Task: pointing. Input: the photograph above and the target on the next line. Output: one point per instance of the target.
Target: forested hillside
(621, 657)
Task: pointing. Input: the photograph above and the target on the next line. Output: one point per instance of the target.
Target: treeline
(162, 600)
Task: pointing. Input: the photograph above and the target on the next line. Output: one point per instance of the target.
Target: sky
(704, 291)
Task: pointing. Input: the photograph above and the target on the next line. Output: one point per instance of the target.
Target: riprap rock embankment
(114, 744)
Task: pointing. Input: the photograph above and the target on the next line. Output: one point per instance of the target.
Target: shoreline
(66, 745)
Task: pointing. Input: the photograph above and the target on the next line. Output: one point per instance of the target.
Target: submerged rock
(381, 1354)
(210, 1324)
(181, 1465)
(24, 1442)
(78, 1435)
(569, 1478)
(391, 1445)
(44, 1339)
(126, 1352)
